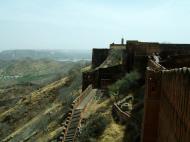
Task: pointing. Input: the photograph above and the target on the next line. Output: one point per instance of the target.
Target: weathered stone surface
(166, 117)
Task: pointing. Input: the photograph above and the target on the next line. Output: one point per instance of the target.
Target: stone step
(76, 112)
(75, 120)
(74, 116)
(71, 131)
(74, 124)
(70, 136)
(74, 127)
(69, 139)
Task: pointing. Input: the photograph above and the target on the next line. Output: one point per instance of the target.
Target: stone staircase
(72, 130)
(73, 121)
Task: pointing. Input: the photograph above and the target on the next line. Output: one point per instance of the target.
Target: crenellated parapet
(167, 109)
(175, 106)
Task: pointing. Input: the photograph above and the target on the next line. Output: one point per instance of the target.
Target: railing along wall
(87, 91)
(123, 116)
(78, 100)
(155, 66)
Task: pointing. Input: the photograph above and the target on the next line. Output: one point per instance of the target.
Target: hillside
(31, 102)
(43, 114)
(102, 102)
(33, 71)
(40, 54)
(34, 112)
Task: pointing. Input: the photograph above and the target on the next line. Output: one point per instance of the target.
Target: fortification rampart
(174, 49)
(99, 56)
(106, 76)
(176, 61)
(151, 106)
(167, 95)
(174, 106)
(167, 106)
(135, 56)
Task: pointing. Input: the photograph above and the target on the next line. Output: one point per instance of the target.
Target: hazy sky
(86, 24)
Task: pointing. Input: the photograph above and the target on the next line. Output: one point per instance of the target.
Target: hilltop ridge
(40, 54)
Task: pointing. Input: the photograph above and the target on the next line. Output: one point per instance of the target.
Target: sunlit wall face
(63, 24)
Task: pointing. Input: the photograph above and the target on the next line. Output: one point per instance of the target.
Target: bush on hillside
(94, 128)
(125, 84)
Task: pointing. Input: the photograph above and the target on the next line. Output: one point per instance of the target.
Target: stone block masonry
(99, 56)
(167, 106)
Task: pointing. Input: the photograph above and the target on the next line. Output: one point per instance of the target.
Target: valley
(35, 95)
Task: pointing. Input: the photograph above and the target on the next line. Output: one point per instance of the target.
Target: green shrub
(94, 128)
(125, 84)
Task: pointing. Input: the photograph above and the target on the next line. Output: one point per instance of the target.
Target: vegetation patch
(124, 85)
(95, 127)
(113, 133)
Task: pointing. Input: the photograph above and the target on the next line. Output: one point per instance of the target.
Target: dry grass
(31, 110)
(113, 132)
(32, 127)
(35, 96)
(85, 69)
(95, 106)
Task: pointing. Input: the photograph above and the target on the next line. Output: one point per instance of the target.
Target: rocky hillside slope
(34, 112)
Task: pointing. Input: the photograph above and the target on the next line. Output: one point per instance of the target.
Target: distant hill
(36, 71)
(29, 66)
(40, 54)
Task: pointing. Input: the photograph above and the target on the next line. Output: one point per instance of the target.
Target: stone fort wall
(134, 57)
(167, 106)
(99, 56)
(174, 115)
